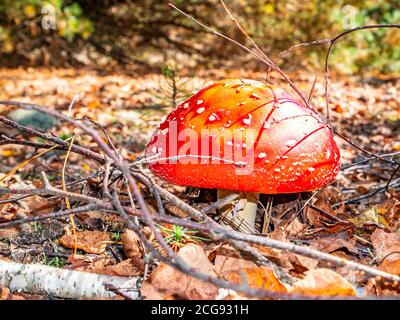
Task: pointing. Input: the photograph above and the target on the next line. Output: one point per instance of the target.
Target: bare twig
(62, 144)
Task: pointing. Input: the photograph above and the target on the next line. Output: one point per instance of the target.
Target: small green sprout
(178, 236)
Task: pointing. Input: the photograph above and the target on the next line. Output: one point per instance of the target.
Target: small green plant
(172, 89)
(65, 136)
(116, 236)
(57, 262)
(178, 236)
(37, 226)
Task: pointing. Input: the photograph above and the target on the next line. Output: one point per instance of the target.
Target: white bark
(63, 283)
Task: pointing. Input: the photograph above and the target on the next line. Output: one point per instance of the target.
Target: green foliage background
(148, 32)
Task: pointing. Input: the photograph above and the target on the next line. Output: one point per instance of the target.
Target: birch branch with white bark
(63, 283)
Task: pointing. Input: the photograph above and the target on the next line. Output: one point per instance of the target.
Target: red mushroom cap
(247, 136)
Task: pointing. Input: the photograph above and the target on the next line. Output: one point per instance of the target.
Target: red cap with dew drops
(246, 136)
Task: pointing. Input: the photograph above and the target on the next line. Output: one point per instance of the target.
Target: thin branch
(262, 57)
(63, 144)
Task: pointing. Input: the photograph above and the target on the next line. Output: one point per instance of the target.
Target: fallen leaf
(291, 261)
(8, 212)
(88, 241)
(315, 217)
(131, 244)
(101, 265)
(333, 244)
(166, 281)
(228, 259)
(127, 268)
(300, 263)
(323, 282)
(386, 245)
(294, 227)
(38, 205)
(391, 266)
(8, 233)
(256, 277)
(5, 294)
(370, 216)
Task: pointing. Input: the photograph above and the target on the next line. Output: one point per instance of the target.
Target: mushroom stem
(242, 214)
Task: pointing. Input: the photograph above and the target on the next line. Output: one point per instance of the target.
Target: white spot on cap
(212, 117)
(262, 155)
(200, 110)
(199, 101)
(328, 154)
(277, 170)
(247, 120)
(186, 105)
(311, 169)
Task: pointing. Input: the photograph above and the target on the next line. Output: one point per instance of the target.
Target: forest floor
(356, 217)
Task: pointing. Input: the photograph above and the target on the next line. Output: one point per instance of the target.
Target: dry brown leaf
(38, 205)
(8, 233)
(370, 216)
(167, 281)
(391, 209)
(131, 244)
(333, 244)
(127, 268)
(228, 259)
(325, 282)
(5, 294)
(315, 217)
(258, 277)
(391, 266)
(301, 263)
(275, 255)
(331, 195)
(100, 265)
(294, 227)
(8, 211)
(88, 241)
(294, 262)
(386, 245)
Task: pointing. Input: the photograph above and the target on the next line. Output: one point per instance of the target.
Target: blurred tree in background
(149, 32)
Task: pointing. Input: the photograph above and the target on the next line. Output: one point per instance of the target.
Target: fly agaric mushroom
(244, 136)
